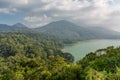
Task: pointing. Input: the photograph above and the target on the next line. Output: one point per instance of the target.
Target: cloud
(37, 20)
(113, 21)
(8, 10)
(67, 5)
(88, 12)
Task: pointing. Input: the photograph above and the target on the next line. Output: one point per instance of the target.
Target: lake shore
(81, 48)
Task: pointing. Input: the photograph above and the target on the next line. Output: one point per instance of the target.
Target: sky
(34, 13)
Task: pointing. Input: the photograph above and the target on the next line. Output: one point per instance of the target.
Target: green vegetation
(103, 64)
(30, 45)
(26, 57)
(32, 56)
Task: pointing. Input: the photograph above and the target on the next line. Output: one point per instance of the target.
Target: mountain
(18, 27)
(65, 31)
(70, 32)
(4, 27)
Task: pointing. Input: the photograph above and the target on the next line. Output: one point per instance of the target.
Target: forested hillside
(25, 58)
(15, 43)
(104, 64)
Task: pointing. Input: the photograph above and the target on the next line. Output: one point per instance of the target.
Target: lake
(80, 49)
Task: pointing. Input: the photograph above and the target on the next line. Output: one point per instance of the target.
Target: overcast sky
(35, 13)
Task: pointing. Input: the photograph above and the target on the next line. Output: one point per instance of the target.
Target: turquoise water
(80, 49)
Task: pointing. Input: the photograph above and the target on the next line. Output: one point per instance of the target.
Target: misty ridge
(67, 31)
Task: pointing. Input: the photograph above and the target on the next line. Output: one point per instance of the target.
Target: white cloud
(4, 10)
(36, 19)
(68, 5)
(89, 12)
(7, 10)
(92, 13)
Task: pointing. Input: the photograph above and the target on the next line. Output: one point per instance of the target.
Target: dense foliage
(31, 56)
(20, 67)
(30, 46)
(104, 63)
(26, 57)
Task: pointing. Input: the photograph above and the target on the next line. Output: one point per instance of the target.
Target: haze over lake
(80, 49)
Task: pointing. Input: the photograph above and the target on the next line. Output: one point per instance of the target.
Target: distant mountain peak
(3, 25)
(69, 31)
(60, 23)
(63, 21)
(19, 25)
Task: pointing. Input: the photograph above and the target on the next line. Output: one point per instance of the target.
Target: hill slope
(69, 32)
(18, 27)
(12, 44)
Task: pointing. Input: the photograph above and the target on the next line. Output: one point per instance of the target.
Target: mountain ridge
(64, 30)
(19, 25)
(69, 31)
